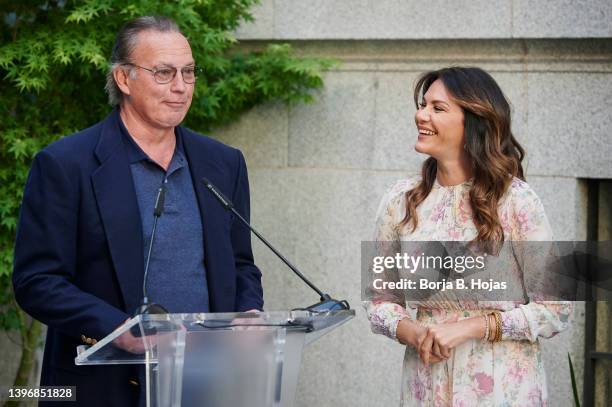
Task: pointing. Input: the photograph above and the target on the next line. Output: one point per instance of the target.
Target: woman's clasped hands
(435, 343)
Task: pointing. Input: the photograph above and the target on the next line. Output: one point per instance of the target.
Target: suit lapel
(116, 198)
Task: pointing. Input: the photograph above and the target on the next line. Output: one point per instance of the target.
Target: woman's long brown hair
(494, 152)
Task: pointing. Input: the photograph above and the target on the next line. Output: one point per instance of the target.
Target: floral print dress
(478, 373)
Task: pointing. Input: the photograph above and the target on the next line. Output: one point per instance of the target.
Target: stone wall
(442, 19)
(318, 171)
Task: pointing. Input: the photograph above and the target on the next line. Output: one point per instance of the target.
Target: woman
(471, 188)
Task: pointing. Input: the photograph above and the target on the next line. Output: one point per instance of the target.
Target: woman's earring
(465, 147)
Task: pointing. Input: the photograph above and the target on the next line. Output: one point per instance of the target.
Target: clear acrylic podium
(216, 360)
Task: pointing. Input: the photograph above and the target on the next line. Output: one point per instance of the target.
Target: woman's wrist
(476, 327)
(406, 332)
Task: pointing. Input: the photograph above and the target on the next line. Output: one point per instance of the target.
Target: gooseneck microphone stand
(146, 307)
(326, 303)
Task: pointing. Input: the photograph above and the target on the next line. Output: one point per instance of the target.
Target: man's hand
(133, 344)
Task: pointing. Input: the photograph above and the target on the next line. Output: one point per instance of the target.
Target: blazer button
(133, 382)
(84, 338)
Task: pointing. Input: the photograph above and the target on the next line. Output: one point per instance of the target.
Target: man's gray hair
(125, 44)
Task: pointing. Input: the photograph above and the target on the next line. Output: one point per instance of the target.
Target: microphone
(146, 307)
(327, 303)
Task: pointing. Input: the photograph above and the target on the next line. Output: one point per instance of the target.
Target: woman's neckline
(461, 184)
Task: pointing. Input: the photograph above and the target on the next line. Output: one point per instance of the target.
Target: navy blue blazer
(79, 264)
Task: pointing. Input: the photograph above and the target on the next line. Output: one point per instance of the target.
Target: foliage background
(53, 61)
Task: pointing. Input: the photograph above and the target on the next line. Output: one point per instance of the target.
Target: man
(87, 216)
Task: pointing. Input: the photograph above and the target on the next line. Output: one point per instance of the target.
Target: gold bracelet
(494, 333)
(498, 326)
(485, 337)
(491, 335)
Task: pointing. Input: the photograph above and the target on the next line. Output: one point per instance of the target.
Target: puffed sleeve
(386, 308)
(533, 247)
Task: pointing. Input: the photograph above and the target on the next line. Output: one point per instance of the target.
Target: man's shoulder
(75, 144)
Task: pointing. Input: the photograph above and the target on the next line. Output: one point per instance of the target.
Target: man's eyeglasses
(168, 73)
